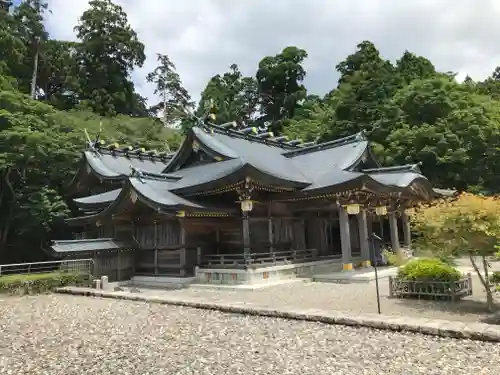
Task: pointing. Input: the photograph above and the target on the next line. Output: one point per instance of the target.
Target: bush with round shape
(429, 270)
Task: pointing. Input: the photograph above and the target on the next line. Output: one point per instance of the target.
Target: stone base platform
(365, 275)
(160, 282)
(261, 276)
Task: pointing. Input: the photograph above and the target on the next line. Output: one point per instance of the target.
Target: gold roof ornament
(113, 146)
(381, 210)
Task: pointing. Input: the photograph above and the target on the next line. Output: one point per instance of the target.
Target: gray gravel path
(356, 298)
(62, 334)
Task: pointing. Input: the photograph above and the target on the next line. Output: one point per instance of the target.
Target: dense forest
(51, 91)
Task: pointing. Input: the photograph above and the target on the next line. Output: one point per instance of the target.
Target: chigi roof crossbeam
(131, 152)
(313, 147)
(252, 133)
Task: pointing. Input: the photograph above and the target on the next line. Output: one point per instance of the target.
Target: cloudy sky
(203, 37)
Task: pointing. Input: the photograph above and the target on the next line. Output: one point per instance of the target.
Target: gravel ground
(61, 334)
(356, 297)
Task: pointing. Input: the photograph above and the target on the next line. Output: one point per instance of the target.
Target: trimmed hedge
(21, 284)
(429, 270)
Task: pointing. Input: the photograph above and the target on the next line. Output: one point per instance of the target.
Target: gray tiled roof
(158, 191)
(111, 165)
(71, 246)
(445, 192)
(312, 168)
(102, 198)
(399, 179)
(264, 157)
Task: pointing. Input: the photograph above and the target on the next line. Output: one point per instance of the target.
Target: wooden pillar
(406, 230)
(119, 261)
(246, 236)
(270, 227)
(135, 247)
(182, 242)
(246, 206)
(345, 239)
(363, 238)
(217, 240)
(393, 223)
(381, 219)
(155, 242)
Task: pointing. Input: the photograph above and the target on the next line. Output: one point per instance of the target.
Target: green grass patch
(37, 283)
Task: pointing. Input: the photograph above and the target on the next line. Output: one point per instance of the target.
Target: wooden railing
(260, 259)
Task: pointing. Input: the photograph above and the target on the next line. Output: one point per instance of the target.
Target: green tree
(281, 91)
(29, 16)
(469, 225)
(29, 191)
(453, 131)
(491, 85)
(366, 83)
(231, 96)
(12, 50)
(410, 67)
(175, 99)
(108, 52)
(58, 74)
(311, 121)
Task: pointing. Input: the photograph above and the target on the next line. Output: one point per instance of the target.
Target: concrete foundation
(162, 282)
(265, 275)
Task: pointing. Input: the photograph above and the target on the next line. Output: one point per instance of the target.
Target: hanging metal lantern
(246, 205)
(352, 209)
(381, 210)
(410, 211)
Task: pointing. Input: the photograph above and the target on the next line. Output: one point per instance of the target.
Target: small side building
(234, 206)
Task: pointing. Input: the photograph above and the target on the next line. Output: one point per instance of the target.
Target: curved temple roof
(114, 164)
(332, 166)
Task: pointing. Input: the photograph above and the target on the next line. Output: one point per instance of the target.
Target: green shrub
(496, 256)
(40, 282)
(393, 259)
(429, 270)
(495, 278)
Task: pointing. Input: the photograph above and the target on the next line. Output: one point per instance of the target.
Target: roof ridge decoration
(131, 152)
(398, 168)
(309, 147)
(98, 146)
(142, 175)
(255, 134)
(250, 133)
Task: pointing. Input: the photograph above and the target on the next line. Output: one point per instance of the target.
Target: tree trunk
(484, 280)
(489, 293)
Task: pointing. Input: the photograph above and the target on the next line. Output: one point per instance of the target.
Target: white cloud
(203, 37)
